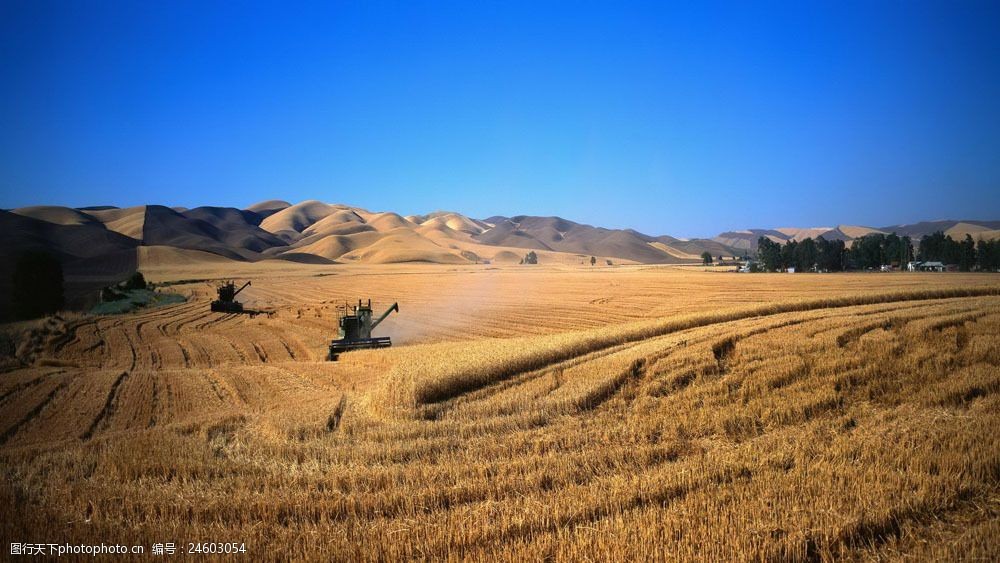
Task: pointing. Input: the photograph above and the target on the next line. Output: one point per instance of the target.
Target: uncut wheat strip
(423, 384)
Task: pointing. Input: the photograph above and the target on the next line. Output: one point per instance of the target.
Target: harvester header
(356, 325)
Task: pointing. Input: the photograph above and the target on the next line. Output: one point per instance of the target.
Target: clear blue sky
(684, 119)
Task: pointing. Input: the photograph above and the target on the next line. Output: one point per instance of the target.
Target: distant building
(926, 267)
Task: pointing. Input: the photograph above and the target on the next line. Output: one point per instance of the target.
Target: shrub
(136, 281)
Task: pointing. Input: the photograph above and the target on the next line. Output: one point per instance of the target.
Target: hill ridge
(320, 232)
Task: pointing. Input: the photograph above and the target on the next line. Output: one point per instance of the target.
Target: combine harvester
(227, 303)
(356, 330)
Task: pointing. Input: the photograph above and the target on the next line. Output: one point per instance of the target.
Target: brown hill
(128, 221)
(561, 235)
(267, 208)
(388, 221)
(152, 257)
(404, 246)
(318, 232)
(57, 215)
(294, 219)
(91, 255)
(962, 229)
(235, 228)
(853, 231)
(343, 221)
(453, 221)
(917, 230)
(746, 240)
(165, 227)
(333, 247)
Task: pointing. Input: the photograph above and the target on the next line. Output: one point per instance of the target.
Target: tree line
(824, 255)
(875, 250)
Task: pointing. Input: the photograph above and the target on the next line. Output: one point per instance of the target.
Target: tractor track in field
(291, 354)
(110, 405)
(957, 321)
(68, 337)
(34, 412)
(174, 326)
(25, 385)
(893, 320)
(154, 400)
(437, 409)
(261, 353)
(194, 354)
(217, 321)
(185, 356)
(217, 386)
(723, 348)
(239, 353)
(612, 386)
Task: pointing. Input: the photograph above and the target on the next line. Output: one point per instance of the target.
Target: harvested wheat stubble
(858, 426)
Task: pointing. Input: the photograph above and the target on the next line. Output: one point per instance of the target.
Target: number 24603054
(216, 547)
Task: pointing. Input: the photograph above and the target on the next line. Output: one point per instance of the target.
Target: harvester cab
(356, 325)
(227, 303)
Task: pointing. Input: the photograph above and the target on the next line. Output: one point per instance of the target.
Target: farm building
(926, 267)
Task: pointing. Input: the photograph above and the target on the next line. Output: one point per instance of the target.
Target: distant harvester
(226, 303)
(356, 330)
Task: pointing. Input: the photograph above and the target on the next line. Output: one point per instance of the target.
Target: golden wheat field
(561, 413)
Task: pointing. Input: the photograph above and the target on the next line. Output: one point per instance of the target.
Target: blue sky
(684, 119)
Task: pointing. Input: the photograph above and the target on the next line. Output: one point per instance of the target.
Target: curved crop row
(431, 379)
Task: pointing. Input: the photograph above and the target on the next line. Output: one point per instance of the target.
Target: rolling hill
(91, 254)
(323, 233)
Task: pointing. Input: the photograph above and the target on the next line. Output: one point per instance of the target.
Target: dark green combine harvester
(227, 303)
(356, 330)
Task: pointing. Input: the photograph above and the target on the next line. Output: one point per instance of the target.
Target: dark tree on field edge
(706, 258)
(805, 255)
(940, 247)
(769, 253)
(988, 255)
(38, 285)
(136, 281)
(530, 258)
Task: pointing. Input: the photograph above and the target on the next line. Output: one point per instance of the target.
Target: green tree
(939, 247)
(593, 260)
(906, 251)
(830, 254)
(869, 251)
(967, 254)
(988, 255)
(706, 258)
(891, 247)
(788, 254)
(806, 255)
(37, 285)
(769, 254)
(531, 258)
